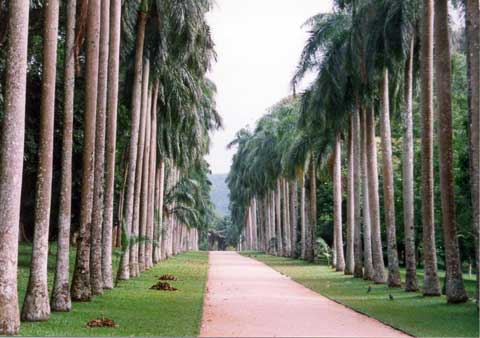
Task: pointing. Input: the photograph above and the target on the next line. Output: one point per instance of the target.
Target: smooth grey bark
(134, 247)
(11, 143)
(455, 290)
(110, 142)
(60, 300)
(377, 254)
(357, 196)
(142, 245)
(151, 242)
(349, 254)
(366, 221)
(472, 25)
(431, 283)
(278, 219)
(81, 289)
(293, 190)
(284, 217)
(96, 278)
(311, 235)
(159, 234)
(394, 280)
(337, 205)
(411, 282)
(36, 306)
(303, 223)
(132, 156)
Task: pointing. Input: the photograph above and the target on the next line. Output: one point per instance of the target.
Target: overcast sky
(258, 43)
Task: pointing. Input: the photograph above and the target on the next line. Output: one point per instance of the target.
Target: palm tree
(357, 181)
(60, 300)
(99, 179)
(337, 205)
(36, 306)
(112, 103)
(374, 204)
(411, 283)
(455, 290)
(388, 186)
(81, 290)
(367, 232)
(134, 134)
(431, 283)
(349, 254)
(12, 139)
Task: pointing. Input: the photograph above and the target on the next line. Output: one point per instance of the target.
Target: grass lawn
(409, 312)
(136, 309)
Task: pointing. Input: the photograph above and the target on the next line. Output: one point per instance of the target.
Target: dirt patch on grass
(167, 277)
(161, 286)
(101, 322)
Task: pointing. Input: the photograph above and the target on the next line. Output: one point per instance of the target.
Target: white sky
(258, 43)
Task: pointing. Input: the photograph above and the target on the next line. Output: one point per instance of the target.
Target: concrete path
(246, 298)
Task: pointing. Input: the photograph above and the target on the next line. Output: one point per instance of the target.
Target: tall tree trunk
(303, 217)
(293, 217)
(455, 289)
(132, 157)
(472, 24)
(367, 231)
(142, 245)
(110, 145)
(278, 218)
(357, 182)
(313, 212)
(388, 184)
(255, 225)
(337, 205)
(81, 290)
(36, 306)
(431, 283)
(12, 140)
(411, 283)
(349, 254)
(150, 244)
(158, 214)
(134, 249)
(61, 300)
(96, 278)
(377, 254)
(284, 217)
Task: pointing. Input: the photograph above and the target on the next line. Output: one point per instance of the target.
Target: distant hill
(220, 193)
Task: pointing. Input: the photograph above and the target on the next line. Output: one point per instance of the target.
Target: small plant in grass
(323, 251)
(101, 322)
(167, 277)
(163, 286)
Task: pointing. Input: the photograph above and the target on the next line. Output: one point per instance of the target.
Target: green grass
(136, 309)
(409, 312)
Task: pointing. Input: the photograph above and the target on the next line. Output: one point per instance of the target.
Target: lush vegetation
(410, 312)
(106, 114)
(372, 160)
(137, 310)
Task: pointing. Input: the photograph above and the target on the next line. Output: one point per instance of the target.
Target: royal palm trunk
(98, 195)
(377, 254)
(132, 157)
(366, 221)
(349, 258)
(431, 283)
(388, 185)
(455, 289)
(337, 205)
(12, 140)
(357, 182)
(36, 306)
(110, 142)
(60, 300)
(411, 283)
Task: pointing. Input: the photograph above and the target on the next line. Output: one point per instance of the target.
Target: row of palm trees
(164, 198)
(364, 56)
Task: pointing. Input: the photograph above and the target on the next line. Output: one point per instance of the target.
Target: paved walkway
(246, 298)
